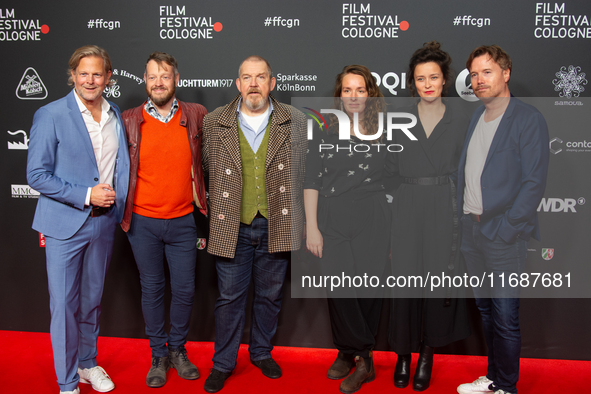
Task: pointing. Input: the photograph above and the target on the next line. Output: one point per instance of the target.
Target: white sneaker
(76, 391)
(480, 385)
(97, 377)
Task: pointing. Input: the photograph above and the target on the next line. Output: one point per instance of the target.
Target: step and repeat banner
(307, 44)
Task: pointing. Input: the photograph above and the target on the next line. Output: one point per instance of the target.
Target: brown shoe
(341, 367)
(364, 373)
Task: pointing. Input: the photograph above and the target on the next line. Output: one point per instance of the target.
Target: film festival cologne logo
(176, 23)
(15, 29)
(361, 21)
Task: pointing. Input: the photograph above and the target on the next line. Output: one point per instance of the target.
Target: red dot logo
(218, 26)
(404, 25)
(44, 29)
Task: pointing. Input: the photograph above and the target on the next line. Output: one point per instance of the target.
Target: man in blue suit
(78, 161)
(501, 180)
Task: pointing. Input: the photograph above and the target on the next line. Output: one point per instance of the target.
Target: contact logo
(557, 145)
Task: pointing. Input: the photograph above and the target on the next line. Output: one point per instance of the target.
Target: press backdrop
(307, 44)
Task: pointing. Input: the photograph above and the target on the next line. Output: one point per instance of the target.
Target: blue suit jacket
(514, 174)
(61, 166)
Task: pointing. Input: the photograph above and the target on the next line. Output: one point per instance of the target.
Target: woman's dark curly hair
(430, 52)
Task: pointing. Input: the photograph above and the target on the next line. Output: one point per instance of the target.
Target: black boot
(402, 371)
(424, 367)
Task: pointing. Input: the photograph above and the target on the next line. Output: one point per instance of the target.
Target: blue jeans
(251, 260)
(152, 239)
(498, 305)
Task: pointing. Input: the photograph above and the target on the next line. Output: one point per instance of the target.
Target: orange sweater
(163, 189)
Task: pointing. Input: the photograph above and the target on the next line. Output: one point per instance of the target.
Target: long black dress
(423, 237)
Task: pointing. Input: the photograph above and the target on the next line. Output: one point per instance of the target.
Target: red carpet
(27, 361)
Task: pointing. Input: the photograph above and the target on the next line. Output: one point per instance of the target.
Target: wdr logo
(560, 204)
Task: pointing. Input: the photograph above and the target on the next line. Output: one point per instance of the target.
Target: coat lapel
(229, 132)
(501, 133)
(80, 126)
(279, 130)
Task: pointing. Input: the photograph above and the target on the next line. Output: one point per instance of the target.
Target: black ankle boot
(402, 371)
(424, 367)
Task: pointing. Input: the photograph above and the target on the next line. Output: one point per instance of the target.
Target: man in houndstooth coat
(253, 150)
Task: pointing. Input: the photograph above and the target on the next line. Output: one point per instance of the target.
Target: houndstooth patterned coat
(284, 172)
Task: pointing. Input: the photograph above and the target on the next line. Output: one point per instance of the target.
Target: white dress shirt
(103, 136)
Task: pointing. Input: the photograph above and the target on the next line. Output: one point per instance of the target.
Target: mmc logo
(345, 129)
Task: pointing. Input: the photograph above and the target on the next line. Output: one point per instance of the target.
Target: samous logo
(570, 81)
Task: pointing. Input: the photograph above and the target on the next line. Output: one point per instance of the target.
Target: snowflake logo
(570, 81)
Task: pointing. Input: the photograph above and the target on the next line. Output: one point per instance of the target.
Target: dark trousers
(252, 260)
(356, 236)
(151, 240)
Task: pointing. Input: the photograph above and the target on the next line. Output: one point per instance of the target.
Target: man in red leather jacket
(166, 179)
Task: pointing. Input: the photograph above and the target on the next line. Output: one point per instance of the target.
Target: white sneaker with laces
(75, 391)
(97, 377)
(480, 385)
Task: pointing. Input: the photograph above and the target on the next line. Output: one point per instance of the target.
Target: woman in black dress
(348, 220)
(424, 223)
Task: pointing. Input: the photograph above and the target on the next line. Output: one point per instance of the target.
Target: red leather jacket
(192, 118)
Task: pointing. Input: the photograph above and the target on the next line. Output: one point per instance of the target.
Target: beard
(161, 100)
(255, 104)
(87, 95)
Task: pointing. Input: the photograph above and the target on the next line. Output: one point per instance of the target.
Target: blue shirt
(254, 137)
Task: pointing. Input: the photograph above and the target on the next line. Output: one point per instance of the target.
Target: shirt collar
(105, 107)
(151, 107)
